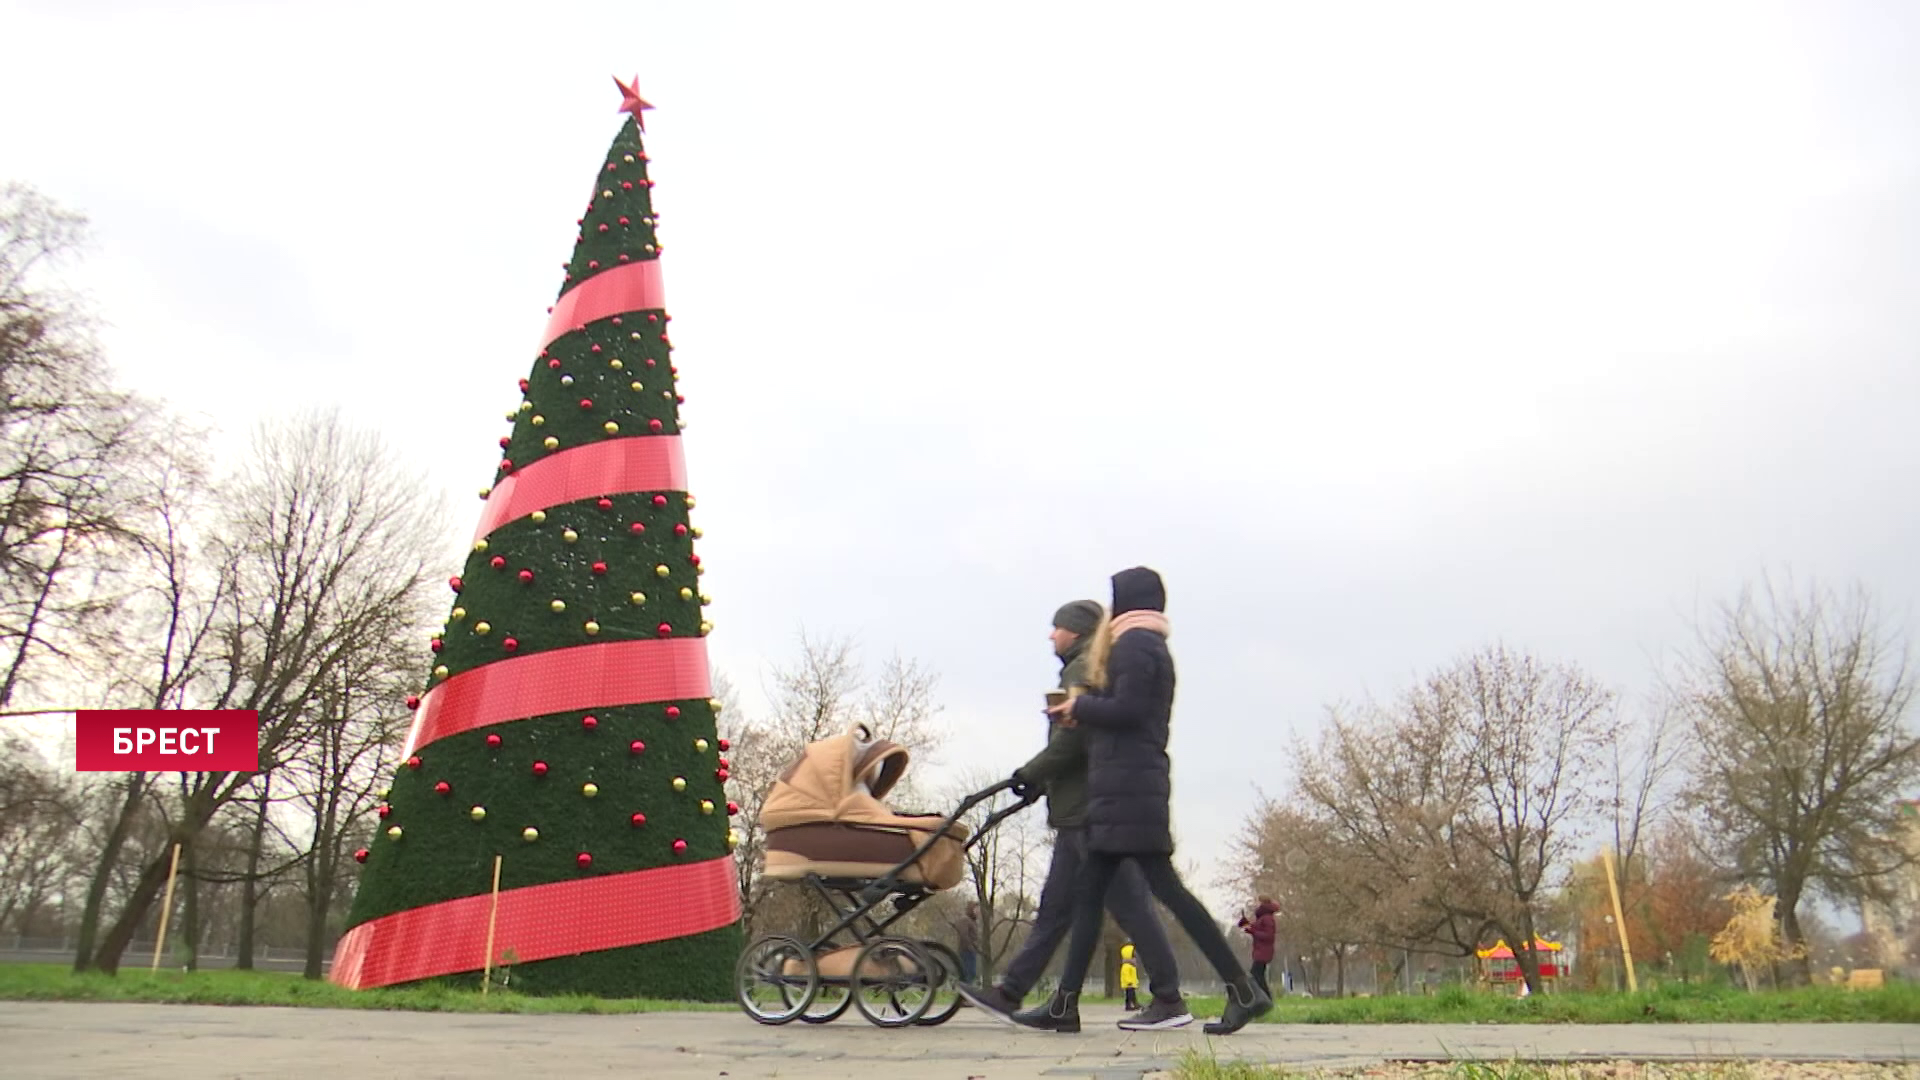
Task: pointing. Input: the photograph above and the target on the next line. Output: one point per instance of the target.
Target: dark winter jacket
(1262, 930)
(1061, 766)
(1129, 775)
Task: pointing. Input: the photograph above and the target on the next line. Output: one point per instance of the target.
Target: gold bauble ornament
(440, 672)
(706, 806)
(486, 491)
(706, 626)
(610, 428)
(733, 839)
(539, 517)
(701, 569)
(635, 336)
(616, 364)
(705, 599)
(569, 536)
(483, 628)
(479, 545)
(511, 415)
(393, 833)
(526, 406)
(550, 443)
(591, 628)
(686, 593)
(662, 570)
(700, 745)
(714, 704)
(679, 783)
(636, 599)
(558, 606)
(589, 790)
(529, 834)
(690, 499)
(697, 532)
(538, 420)
(478, 813)
(666, 395)
(459, 613)
(636, 386)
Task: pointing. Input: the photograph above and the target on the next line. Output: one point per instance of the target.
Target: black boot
(1060, 1014)
(1244, 1003)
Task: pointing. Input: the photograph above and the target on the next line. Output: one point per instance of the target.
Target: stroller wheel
(776, 979)
(893, 982)
(946, 1000)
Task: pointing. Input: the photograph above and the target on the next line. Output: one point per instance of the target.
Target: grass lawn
(56, 982)
(1201, 1067)
(1671, 1004)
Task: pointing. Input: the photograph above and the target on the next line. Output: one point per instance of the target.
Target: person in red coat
(1261, 929)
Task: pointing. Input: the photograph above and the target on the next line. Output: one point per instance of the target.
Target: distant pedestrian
(967, 942)
(1261, 929)
(1130, 977)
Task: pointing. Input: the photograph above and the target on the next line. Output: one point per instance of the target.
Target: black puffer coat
(1129, 775)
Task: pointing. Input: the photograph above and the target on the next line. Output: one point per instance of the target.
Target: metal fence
(26, 950)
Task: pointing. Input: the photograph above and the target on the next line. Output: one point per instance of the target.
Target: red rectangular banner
(167, 740)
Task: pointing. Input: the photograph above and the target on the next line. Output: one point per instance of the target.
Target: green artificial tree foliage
(616, 567)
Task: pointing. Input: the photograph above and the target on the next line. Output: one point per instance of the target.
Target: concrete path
(72, 1041)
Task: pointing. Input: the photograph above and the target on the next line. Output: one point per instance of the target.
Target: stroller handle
(967, 804)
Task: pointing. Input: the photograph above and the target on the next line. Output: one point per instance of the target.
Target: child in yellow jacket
(1130, 977)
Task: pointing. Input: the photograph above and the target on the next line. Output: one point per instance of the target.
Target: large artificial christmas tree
(567, 726)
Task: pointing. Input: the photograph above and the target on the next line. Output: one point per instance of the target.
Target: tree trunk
(197, 811)
(1339, 972)
(189, 881)
(1799, 963)
(103, 872)
(319, 901)
(250, 887)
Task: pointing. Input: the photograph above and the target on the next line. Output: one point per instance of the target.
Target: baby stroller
(827, 826)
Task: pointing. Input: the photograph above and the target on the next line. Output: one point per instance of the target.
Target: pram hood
(844, 778)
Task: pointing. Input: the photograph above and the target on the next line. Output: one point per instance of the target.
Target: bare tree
(1461, 804)
(324, 546)
(1005, 869)
(1799, 708)
(1295, 857)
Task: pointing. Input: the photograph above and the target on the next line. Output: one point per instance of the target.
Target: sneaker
(1238, 1014)
(992, 1000)
(1061, 1014)
(1159, 1015)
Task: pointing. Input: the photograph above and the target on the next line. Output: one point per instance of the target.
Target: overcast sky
(1383, 331)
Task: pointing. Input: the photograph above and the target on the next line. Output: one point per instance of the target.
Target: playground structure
(1499, 968)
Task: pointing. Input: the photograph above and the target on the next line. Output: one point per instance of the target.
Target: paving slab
(84, 1041)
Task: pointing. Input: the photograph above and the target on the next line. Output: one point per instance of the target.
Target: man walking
(1061, 770)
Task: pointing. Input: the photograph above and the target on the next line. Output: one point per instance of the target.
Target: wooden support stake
(166, 909)
(493, 910)
(1620, 921)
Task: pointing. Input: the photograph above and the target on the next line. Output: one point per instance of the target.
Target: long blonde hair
(1097, 650)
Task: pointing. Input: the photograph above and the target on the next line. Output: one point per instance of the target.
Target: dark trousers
(1101, 872)
(1126, 898)
(1260, 976)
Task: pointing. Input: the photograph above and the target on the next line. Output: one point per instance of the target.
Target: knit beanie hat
(1079, 617)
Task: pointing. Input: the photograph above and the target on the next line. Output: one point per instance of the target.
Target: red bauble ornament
(360, 856)
(436, 645)
(384, 811)
(596, 348)
(636, 528)
(585, 860)
(498, 562)
(493, 742)
(510, 644)
(506, 465)
(453, 583)
(505, 441)
(605, 504)
(586, 403)
(679, 399)
(636, 747)
(589, 723)
(624, 221)
(725, 745)
(679, 530)
(554, 363)
(679, 847)
(665, 629)
(654, 425)
(413, 701)
(626, 185)
(624, 256)
(539, 768)
(694, 559)
(599, 568)
(724, 763)
(616, 318)
(523, 389)
(413, 762)
(650, 361)
(733, 809)
(658, 500)
(653, 318)
(526, 576)
(603, 228)
(721, 775)
(638, 820)
(443, 788)
(673, 712)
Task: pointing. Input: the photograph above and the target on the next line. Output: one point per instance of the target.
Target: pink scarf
(1155, 621)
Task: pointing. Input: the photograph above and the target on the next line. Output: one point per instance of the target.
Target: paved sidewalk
(49, 1041)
